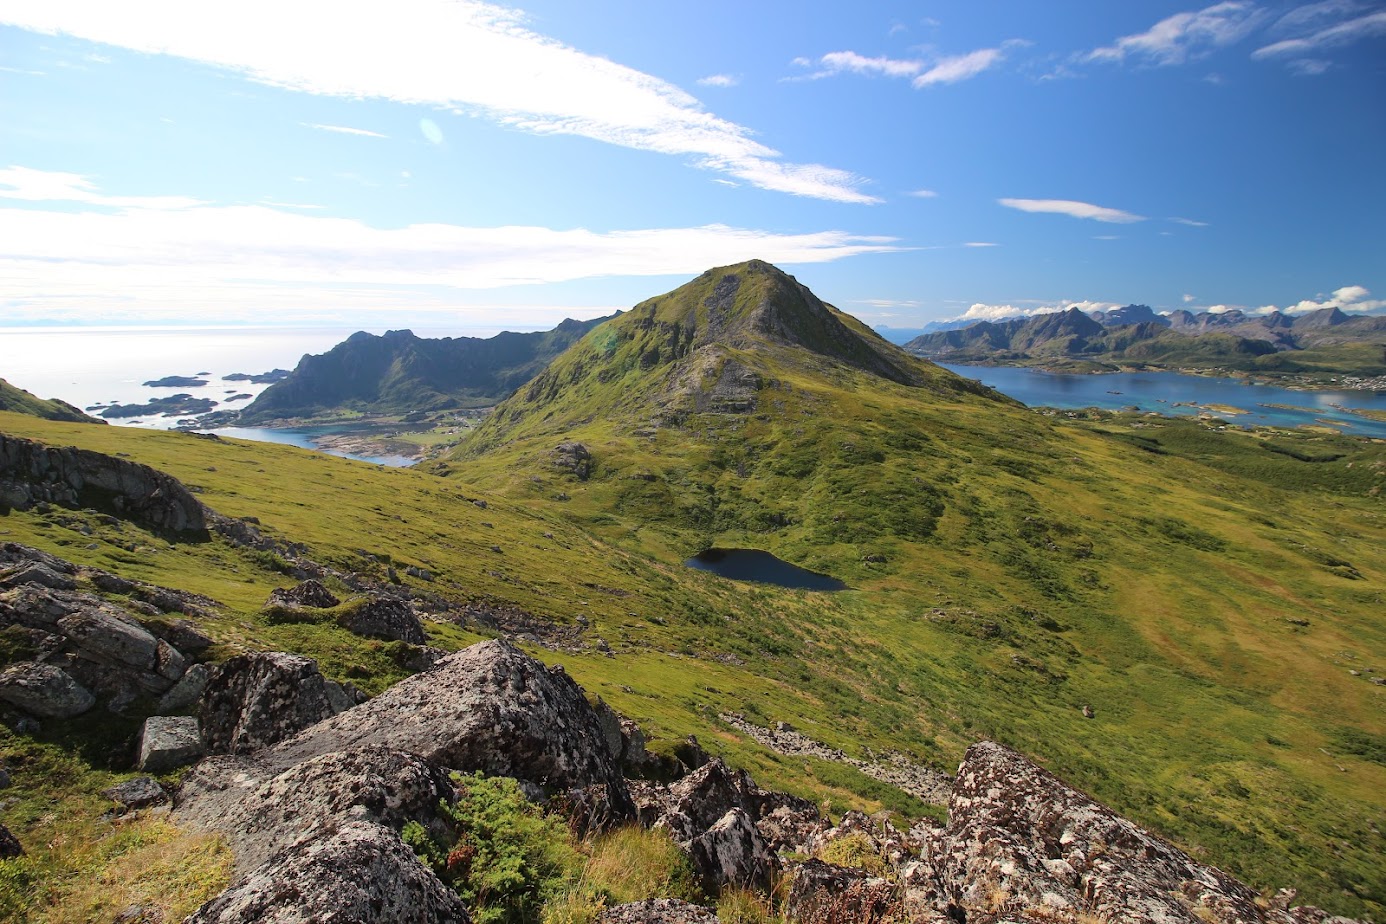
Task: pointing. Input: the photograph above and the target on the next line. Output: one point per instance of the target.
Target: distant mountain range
(1327, 340)
(399, 373)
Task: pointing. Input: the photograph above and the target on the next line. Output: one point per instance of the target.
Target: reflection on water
(1174, 393)
(762, 567)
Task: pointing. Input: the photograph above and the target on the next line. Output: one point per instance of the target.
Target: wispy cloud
(923, 194)
(1334, 36)
(28, 185)
(343, 130)
(164, 250)
(719, 80)
(1177, 38)
(960, 67)
(925, 72)
(1073, 209)
(465, 55)
(981, 244)
(1192, 223)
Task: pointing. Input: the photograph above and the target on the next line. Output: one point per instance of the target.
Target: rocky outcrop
(732, 852)
(256, 700)
(489, 708)
(385, 618)
(657, 911)
(820, 893)
(1022, 845)
(572, 458)
(309, 593)
(357, 873)
(382, 786)
(44, 690)
(31, 473)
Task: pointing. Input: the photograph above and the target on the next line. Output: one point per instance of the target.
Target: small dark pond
(755, 565)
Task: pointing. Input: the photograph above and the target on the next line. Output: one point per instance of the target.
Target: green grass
(1152, 569)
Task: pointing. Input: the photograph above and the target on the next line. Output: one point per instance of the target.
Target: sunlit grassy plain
(1206, 591)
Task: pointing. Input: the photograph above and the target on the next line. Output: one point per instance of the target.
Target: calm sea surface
(1172, 393)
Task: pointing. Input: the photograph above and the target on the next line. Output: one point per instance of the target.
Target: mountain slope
(20, 401)
(398, 372)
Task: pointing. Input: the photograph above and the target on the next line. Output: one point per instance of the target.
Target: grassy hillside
(1206, 592)
(19, 401)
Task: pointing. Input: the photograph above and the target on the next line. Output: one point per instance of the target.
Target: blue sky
(458, 164)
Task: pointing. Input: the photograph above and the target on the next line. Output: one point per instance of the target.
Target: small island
(261, 378)
(178, 404)
(176, 381)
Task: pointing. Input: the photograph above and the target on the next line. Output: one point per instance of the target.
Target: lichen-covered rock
(187, 691)
(573, 458)
(362, 784)
(699, 800)
(309, 593)
(44, 690)
(489, 708)
(37, 573)
(732, 852)
(9, 845)
(1021, 842)
(657, 911)
(386, 618)
(256, 700)
(168, 742)
(140, 792)
(360, 873)
(821, 893)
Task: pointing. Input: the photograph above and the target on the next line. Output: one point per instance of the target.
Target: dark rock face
(385, 618)
(44, 690)
(359, 873)
(256, 700)
(141, 792)
(732, 852)
(9, 845)
(31, 472)
(309, 593)
(168, 742)
(363, 784)
(657, 911)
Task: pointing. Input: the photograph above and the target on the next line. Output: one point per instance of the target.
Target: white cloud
(1339, 34)
(343, 130)
(1347, 298)
(452, 55)
(925, 73)
(980, 244)
(923, 194)
(839, 61)
(1309, 67)
(1192, 223)
(719, 80)
(1106, 237)
(960, 67)
(144, 252)
(1177, 38)
(29, 185)
(984, 312)
(1072, 208)
(1190, 298)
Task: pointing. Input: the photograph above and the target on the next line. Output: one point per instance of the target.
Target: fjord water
(761, 567)
(1174, 393)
